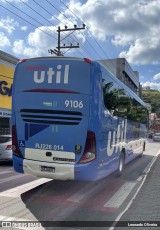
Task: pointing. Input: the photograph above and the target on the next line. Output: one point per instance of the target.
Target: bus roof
(57, 57)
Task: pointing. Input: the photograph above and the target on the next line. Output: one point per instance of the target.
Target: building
(7, 66)
(123, 71)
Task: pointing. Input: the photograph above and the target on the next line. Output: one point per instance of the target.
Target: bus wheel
(141, 154)
(121, 164)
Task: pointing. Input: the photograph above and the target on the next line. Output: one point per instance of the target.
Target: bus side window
(110, 94)
(123, 103)
(132, 110)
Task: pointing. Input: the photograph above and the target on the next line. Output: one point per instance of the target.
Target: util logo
(52, 75)
(117, 141)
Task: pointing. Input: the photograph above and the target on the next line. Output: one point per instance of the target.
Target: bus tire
(121, 164)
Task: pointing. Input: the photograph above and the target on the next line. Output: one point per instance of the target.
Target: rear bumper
(62, 171)
(6, 155)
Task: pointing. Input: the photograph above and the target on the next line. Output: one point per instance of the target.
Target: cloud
(8, 24)
(152, 85)
(4, 41)
(36, 44)
(156, 76)
(121, 40)
(132, 25)
(20, 48)
(144, 51)
(41, 40)
(24, 28)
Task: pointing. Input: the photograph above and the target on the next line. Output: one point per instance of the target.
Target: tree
(152, 97)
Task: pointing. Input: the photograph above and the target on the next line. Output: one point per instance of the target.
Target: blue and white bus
(73, 120)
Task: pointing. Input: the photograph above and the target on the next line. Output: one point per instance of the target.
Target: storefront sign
(4, 89)
(5, 113)
(6, 80)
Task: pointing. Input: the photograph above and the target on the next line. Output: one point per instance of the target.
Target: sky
(114, 29)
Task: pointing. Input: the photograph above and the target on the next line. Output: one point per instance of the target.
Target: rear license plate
(47, 169)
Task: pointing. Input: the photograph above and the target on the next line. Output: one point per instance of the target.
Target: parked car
(150, 135)
(5, 148)
(156, 137)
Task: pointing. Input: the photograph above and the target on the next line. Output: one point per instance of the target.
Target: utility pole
(57, 51)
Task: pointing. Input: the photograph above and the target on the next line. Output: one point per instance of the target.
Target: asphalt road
(27, 198)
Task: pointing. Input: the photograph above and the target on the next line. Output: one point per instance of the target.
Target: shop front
(5, 121)
(7, 66)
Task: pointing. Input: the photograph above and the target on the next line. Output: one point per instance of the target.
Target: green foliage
(152, 97)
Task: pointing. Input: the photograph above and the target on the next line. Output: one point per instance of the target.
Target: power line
(73, 24)
(82, 23)
(27, 21)
(82, 46)
(37, 12)
(61, 23)
(59, 11)
(88, 31)
(59, 47)
(71, 11)
(86, 26)
(31, 17)
(47, 11)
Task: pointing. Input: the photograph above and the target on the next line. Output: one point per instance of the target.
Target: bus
(73, 120)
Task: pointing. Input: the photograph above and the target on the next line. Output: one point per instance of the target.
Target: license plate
(47, 169)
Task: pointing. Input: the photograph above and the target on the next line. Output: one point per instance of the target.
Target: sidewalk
(146, 205)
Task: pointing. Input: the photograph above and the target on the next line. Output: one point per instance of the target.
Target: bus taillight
(15, 147)
(87, 60)
(9, 147)
(22, 60)
(90, 148)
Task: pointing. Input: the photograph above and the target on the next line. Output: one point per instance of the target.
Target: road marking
(139, 178)
(147, 170)
(84, 192)
(12, 178)
(5, 172)
(118, 198)
(18, 223)
(17, 191)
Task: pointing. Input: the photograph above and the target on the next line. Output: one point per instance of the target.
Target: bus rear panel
(73, 120)
(52, 133)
